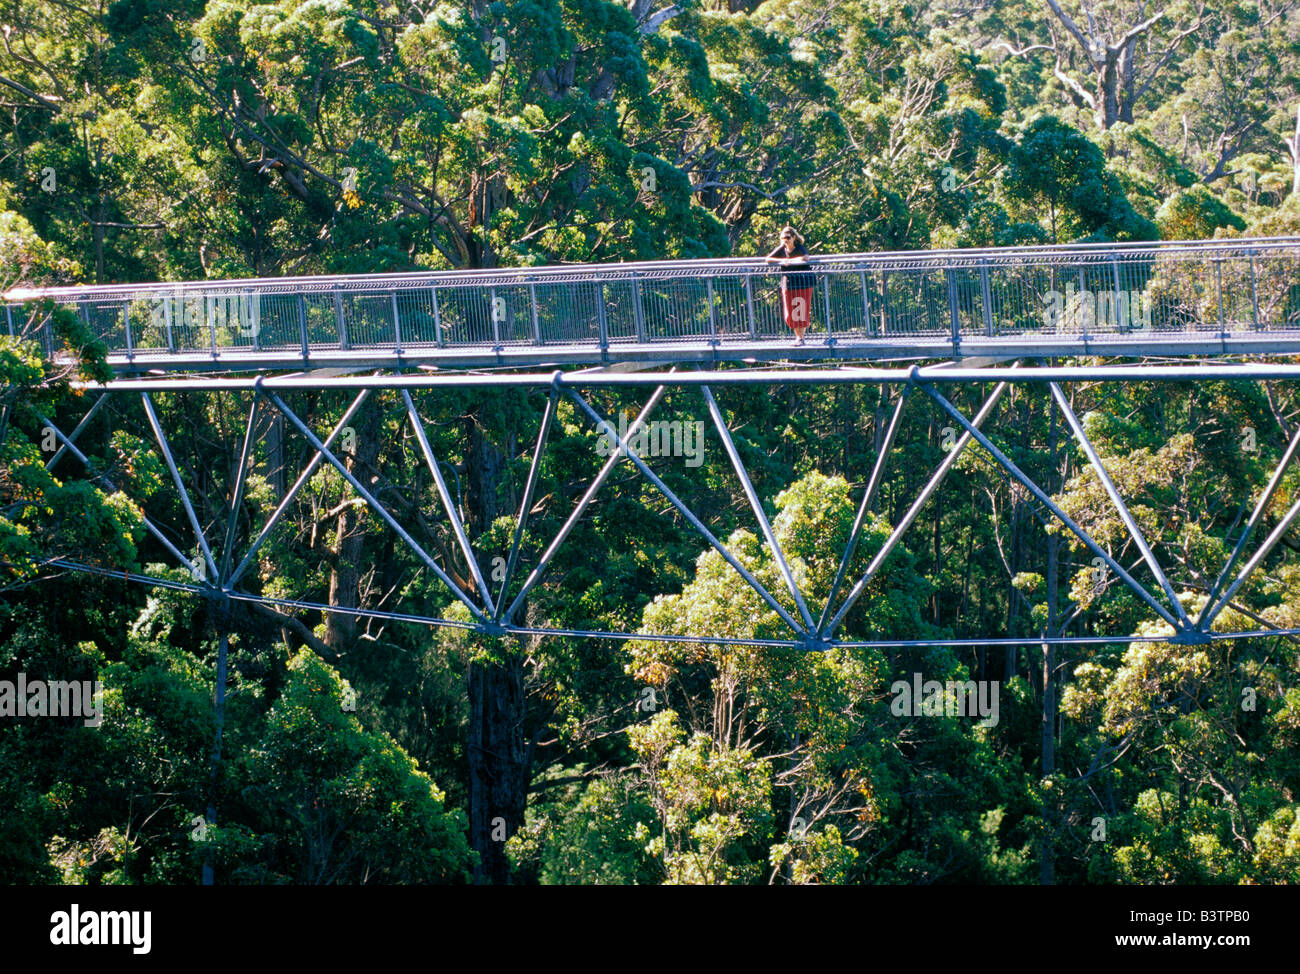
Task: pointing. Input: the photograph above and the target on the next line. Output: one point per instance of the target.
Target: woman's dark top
(790, 280)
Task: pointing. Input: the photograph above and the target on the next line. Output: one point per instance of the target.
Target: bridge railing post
(867, 328)
(254, 321)
(826, 300)
(1218, 287)
(397, 326)
(1119, 306)
(340, 319)
(638, 310)
(302, 325)
(601, 324)
(9, 319)
(167, 324)
(951, 273)
(209, 308)
(1254, 292)
(713, 311)
(437, 319)
(986, 299)
(749, 307)
(492, 310)
(532, 306)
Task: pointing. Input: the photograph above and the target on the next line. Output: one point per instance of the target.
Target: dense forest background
(142, 140)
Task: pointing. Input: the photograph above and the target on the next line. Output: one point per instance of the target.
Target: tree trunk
(497, 755)
(349, 547)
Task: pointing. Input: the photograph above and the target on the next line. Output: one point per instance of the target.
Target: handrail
(722, 266)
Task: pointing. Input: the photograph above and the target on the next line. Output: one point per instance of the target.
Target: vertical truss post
(1109, 486)
(694, 521)
(452, 514)
(298, 485)
(529, 487)
(901, 528)
(868, 496)
(237, 499)
(532, 304)
(1007, 464)
(760, 515)
(375, 506)
(180, 487)
(588, 495)
(9, 319)
(1255, 517)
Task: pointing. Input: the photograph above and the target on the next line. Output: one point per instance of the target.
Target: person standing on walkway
(797, 281)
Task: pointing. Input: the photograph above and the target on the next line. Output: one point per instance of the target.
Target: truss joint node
(1191, 637)
(815, 642)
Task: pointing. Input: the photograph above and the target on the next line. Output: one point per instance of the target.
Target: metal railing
(1122, 294)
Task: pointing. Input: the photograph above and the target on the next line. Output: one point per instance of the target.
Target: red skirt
(796, 305)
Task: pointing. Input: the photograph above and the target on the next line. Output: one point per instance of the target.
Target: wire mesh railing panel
(417, 317)
(675, 309)
(915, 304)
(1277, 291)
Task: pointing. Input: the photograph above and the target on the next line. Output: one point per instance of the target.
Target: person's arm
(773, 257)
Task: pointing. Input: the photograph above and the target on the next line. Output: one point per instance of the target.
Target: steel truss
(497, 614)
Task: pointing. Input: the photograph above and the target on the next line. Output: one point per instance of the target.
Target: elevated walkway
(1187, 298)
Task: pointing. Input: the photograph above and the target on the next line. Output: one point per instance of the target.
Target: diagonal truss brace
(688, 514)
(730, 445)
(152, 528)
(901, 528)
(375, 505)
(228, 582)
(1109, 485)
(237, 500)
(873, 485)
(588, 495)
(1007, 464)
(85, 421)
(453, 515)
(1213, 605)
(180, 485)
(526, 504)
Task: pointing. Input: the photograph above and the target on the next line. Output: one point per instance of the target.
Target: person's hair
(793, 232)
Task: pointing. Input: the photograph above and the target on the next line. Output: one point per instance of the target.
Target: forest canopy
(145, 141)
